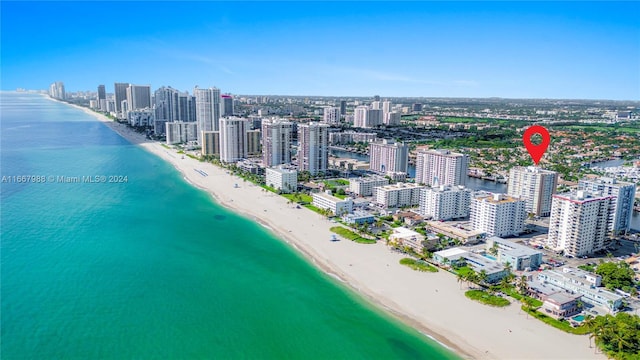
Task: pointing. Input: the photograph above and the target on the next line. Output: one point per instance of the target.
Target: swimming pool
(579, 318)
(489, 257)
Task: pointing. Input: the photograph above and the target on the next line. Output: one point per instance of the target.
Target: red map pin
(536, 151)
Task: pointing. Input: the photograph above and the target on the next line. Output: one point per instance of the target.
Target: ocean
(150, 267)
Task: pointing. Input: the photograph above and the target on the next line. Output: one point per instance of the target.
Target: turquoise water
(579, 318)
(153, 268)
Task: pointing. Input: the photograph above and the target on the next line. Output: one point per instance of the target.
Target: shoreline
(433, 304)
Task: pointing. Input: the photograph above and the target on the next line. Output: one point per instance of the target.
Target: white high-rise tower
(535, 186)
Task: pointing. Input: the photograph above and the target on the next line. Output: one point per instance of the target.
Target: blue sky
(435, 49)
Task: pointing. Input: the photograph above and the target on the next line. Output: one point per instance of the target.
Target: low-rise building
(282, 179)
(408, 217)
(576, 281)
(398, 195)
(141, 117)
(339, 207)
(458, 257)
(358, 217)
(250, 167)
(402, 236)
(457, 233)
(519, 257)
(561, 305)
(364, 186)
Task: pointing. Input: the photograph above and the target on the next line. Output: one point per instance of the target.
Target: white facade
(535, 186)
(364, 186)
(142, 117)
(406, 237)
(285, 180)
(181, 132)
(398, 195)
(276, 142)
(579, 222)
(348, 137)
(624, 194)
(392, 118)
(497, 214)
(337, 206)
(313, 149)
(441, 167)
(233, 139)
(360, 117)
(56, 90)
(331, 115)
(387, 156)
(207, 109)
(445, 202)
(577, 281)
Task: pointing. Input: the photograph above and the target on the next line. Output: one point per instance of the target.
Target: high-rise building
(397, 195)
(388, 156)
(331, 115)
(187, 108)
(392, 118)
(535, 186)
(166, 104)
(210, 143)
(253, 141)
(313, 148)
(343, 107)
(120, 92)
(181, 132)
(417, 107)
(227, 105)
(579, 222)
(276, 142)
(441, 167)
(207, 109)
(233, 139)
(102, 98)
(386, 106)
(360, 114)
(497, 214)
(445, 202)
(56, 90)
(376, 98)
(376, 105)
(138, 97)
(624, 194)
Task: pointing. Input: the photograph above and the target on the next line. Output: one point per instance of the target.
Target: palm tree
(460, 279)
(522, 285)
(482, 277)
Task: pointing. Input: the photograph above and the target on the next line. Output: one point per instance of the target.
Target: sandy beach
(433, 303)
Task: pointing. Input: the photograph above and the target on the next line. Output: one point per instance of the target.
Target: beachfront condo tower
(579, 223)
(276, 142)
(313, 148)
(624, 194)
(207, 109)
(233, 139)
(497, 214)
(441, 167)
(535, 186)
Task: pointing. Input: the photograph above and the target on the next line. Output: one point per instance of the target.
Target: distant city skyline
(567, 50)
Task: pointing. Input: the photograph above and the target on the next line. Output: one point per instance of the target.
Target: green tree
(616, 275)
